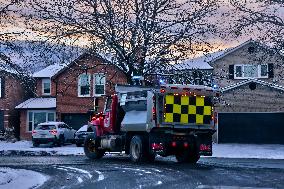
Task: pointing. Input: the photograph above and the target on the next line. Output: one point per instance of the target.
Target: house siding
(24, 135)
(243, 99)
(242, 56)
(14, 94)
(67, 87)
(39, 87)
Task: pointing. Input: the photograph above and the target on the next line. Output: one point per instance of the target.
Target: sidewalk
(265, 151)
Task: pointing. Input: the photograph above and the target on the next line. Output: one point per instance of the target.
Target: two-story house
(12, 92)
(69, 92)
(251, 78)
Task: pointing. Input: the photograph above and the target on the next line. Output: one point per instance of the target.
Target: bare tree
(138, 36)
(264, 18)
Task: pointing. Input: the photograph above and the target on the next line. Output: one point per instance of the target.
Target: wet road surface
(70, 172)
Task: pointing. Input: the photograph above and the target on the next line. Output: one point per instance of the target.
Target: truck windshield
(187, 109)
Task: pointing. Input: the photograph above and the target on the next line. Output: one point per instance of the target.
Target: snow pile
(26, 148)
(13, 178)
(261, 151)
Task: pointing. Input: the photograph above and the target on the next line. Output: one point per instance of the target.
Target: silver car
(56, 133)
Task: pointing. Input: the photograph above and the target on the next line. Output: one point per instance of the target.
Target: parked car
(57, 133)
(81, 134)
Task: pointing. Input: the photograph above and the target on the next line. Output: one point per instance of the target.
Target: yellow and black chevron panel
(187, 109)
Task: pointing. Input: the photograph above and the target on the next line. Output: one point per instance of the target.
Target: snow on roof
(38, 103)
(198, 62)
(272, 85)
(49, 71)
(7, 68)
(233, 49)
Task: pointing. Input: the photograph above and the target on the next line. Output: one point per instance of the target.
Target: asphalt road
(70, 172)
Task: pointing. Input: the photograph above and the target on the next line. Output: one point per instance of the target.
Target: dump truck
(144, 122)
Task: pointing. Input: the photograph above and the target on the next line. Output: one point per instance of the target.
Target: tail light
(154, 113)
(53, 132)
(174, 144)
(185, 144)
(33, 132)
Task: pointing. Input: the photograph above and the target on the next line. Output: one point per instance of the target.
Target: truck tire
(188, 156)
(91, 148)
(137, 149)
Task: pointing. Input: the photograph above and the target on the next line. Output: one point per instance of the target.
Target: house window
(46, 86)
(250, 71)
(244, 71)
(37, 117)
(99, 84)
(239, 71)
(84, 87)
(263, 70)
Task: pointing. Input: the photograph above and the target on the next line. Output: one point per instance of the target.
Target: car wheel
(35, 144)
(61, 141)
(91, 148)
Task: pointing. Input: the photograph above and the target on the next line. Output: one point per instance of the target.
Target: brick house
(251, 79)
(69, 92)
(12, 92)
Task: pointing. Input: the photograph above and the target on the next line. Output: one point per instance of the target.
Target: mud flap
(205, 145)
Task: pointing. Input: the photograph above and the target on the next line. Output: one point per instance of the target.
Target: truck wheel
(151, 157)
(91, 148)
(137, 153)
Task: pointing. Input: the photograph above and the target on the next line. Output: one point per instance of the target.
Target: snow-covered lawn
(20, 178)
(219, 150)
(7, 148)
(265, 151)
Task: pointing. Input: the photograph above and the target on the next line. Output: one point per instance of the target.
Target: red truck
(143, 122)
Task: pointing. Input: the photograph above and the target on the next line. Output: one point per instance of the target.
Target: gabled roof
(49, 71)
(233, 49)
(56, 69)
(38, 103)
(200, 62)
(236, 85)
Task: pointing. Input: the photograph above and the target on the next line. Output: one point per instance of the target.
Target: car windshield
(83, 128)
(45, 127)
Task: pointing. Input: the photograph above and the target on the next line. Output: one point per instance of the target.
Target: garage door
(75, 120)
(1, 120)
(257, 128)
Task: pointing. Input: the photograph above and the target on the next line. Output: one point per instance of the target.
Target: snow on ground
(7, 148)
(13, 178)
(265, 151)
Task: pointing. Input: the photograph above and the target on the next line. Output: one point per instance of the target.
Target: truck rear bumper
(169, 144)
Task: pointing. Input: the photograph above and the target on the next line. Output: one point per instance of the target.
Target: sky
(224, 17)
